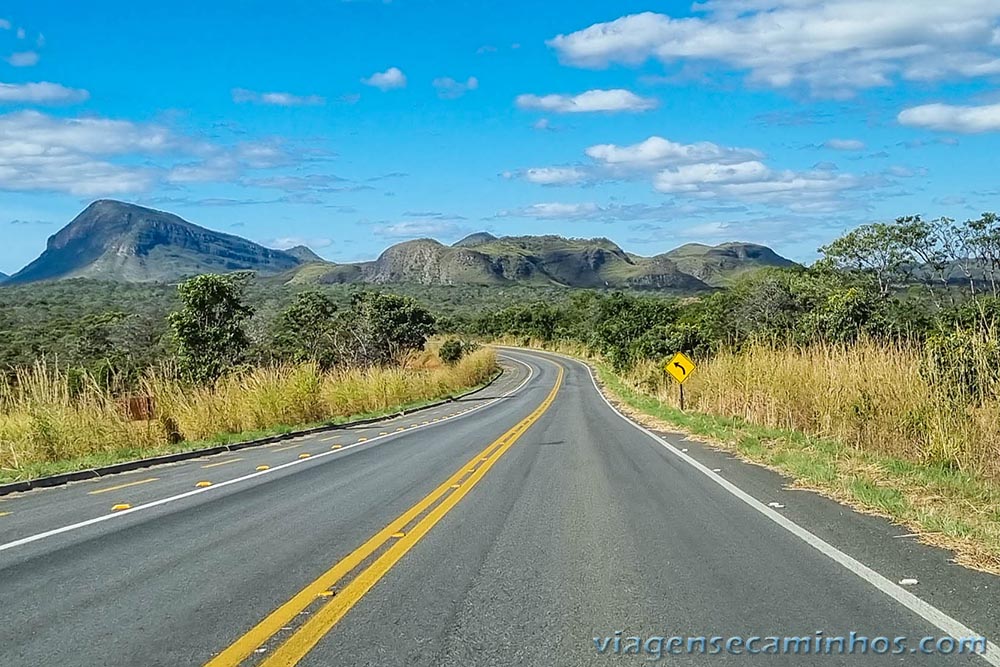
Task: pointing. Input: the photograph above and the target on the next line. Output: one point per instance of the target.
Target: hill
(3, 277)
(484, 259)
(720, 265)
(112, 240)
(120, 242)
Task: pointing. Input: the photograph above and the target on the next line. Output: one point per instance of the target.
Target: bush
(452, 351)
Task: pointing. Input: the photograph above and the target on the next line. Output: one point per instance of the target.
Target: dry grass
(42, 422)
(871, 397)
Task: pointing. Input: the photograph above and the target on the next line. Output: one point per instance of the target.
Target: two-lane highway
(515, 527)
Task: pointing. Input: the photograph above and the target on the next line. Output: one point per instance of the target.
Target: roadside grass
(46, 430)
(940, 505)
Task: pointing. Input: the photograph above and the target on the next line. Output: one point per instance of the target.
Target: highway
(511, 527)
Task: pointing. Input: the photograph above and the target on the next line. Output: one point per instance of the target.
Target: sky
(352, 125)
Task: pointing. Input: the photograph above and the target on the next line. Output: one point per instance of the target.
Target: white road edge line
(928, 612)
(209, 489)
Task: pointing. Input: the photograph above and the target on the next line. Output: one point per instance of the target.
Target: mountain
(304, 254)
(484, 259)
(720, 265)
(3, 277)
(113, 240)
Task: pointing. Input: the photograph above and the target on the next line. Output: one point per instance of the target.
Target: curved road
(512, 527)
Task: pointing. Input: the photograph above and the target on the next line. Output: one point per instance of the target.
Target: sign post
(680, 368)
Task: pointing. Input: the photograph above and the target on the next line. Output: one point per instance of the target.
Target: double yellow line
(429, 511)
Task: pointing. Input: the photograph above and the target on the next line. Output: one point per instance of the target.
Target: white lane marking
(927, 611)
(209, 489)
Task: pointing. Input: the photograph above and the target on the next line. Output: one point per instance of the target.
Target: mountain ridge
(123, 242)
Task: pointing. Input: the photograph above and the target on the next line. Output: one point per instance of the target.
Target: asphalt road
(509, 528)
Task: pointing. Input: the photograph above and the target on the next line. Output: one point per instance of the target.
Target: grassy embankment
(859, 423)
(43, 430)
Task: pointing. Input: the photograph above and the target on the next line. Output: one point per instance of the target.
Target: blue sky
(350, 126)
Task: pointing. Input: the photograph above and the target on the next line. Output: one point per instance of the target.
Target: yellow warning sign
(680, 367)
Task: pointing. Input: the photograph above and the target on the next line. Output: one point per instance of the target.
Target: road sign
(680, 367)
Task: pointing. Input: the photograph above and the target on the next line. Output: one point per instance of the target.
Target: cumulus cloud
(387, 80)
(951, 118)
(99, 156)
(289, 242)
(708, 171)
(42, 92)
(449, 89)
(241, 95)
(5, 24)
(550, 175)
(832, 47)
(555, 210)
(608, 101)
(844, 144)
(657, 152)
(23, 59)
(410, 229)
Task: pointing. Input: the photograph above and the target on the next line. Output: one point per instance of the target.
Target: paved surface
(540, 520)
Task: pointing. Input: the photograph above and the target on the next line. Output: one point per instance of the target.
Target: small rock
(908, 582)
(684, 450)
(777, 506)
(716, 469)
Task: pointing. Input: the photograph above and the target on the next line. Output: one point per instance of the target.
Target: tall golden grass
(43, 419)
(889, 399)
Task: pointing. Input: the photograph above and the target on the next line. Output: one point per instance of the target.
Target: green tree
(307, 331)
(209, 329)
(383, 328)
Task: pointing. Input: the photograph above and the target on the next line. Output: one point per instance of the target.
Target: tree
(307, 331)
(384, 328)
(878, 250)
(209, 329)
(452, 351)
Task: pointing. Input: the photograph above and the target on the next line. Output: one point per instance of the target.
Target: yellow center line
(309, 634)
(4, 513)
(123, 486)
(221, 463)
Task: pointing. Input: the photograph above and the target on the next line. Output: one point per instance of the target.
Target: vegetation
(47, 425)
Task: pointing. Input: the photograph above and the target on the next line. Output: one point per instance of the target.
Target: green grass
(942, 505)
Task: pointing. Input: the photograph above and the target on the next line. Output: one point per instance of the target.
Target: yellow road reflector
(261, 468)
(327, 594)
(362, 439)
(401, 428)
(680, 367)
(455, 486)
(336, 447)
(122, 486)
(4, 513)
(399, 535)
(120, 506)
(384, 433)
(203, 484)
(304, 455)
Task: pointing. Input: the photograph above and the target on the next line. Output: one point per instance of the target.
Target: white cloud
(555, 210)
(20, 33)
(844, 144)
(241, 95)
(5, 24)
(707, 171)
(99, 156)
(23, 59)
(832, 47)
(950, 118)
(409, 229)
(450, 89)
(657, 152)
(552, 175)
(610, 101)
(391, 78)
(42, 92)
